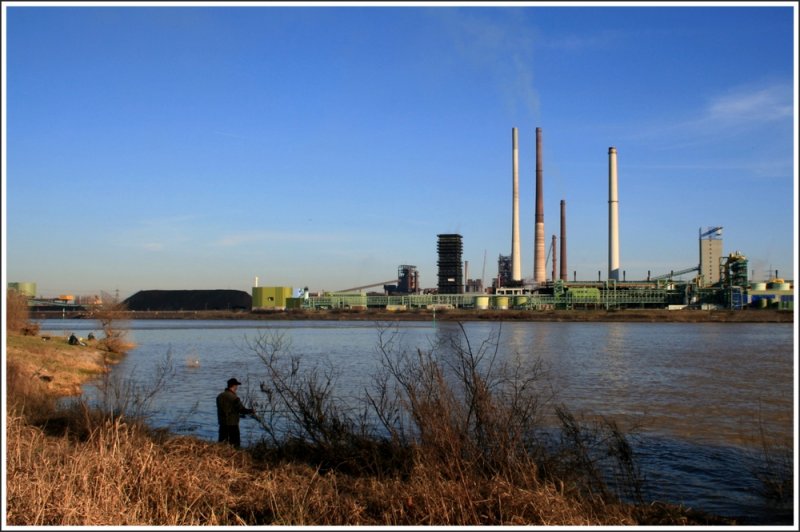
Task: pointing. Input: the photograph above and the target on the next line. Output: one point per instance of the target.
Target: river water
(699, 399)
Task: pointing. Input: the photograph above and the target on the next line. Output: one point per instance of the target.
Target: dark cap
(232, 382)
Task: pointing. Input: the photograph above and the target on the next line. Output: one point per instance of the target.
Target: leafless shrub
(589, 454)
(109, 313)
(459, 404)
(119, 395)
(775, 467)
(303, 417)
(18, 315)
(456, 409)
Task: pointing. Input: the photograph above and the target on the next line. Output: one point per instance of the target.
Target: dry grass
(122, 475)
(118, 476)
(61, 366)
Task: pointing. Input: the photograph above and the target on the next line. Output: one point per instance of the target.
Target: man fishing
(229, 409)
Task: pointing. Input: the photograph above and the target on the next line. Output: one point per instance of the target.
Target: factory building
(710, 255)
(451, 275)
(271, 297)
(504, 276)
(474, 286)
(407, 279)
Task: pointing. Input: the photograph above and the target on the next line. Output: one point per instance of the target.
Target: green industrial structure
(731, 290)
(271, 297)
(25, 289)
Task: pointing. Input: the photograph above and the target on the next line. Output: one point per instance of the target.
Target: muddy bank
(623, 315)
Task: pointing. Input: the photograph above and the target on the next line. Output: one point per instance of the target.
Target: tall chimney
(516, 258)
(563, 240)
(555, 260)
(613, 216)
(539, 274)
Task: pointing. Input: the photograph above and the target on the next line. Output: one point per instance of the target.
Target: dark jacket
(229, 408)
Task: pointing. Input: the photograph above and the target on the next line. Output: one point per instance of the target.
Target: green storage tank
(25, 289)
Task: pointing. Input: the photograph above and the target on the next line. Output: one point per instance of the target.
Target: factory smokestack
(539, 274)
(516, 258)
(555, 260)
(563, 240)
(613, 216)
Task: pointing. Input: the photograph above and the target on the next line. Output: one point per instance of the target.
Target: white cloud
(744, 106)
(740, 110)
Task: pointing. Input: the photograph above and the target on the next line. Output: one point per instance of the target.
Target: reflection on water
(701, 395)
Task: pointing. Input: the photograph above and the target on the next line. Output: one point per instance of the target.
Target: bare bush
(456, 408)
(460, 404)
(775, 466)
(589, 454)
(302, 415)
(109, 313)
(18, 315)
(125, 396)
(302, 397)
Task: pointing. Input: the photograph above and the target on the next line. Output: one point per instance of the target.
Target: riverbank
(78, 468)
(59, 367)
(587, 315)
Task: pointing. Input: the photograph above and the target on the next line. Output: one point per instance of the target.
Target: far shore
(583, 315)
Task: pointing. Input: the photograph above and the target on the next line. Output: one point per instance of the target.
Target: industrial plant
(720, 281)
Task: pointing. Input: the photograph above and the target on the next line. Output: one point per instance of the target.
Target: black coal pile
(189, 300)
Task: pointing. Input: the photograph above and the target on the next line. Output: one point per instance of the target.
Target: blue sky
(197, 147)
